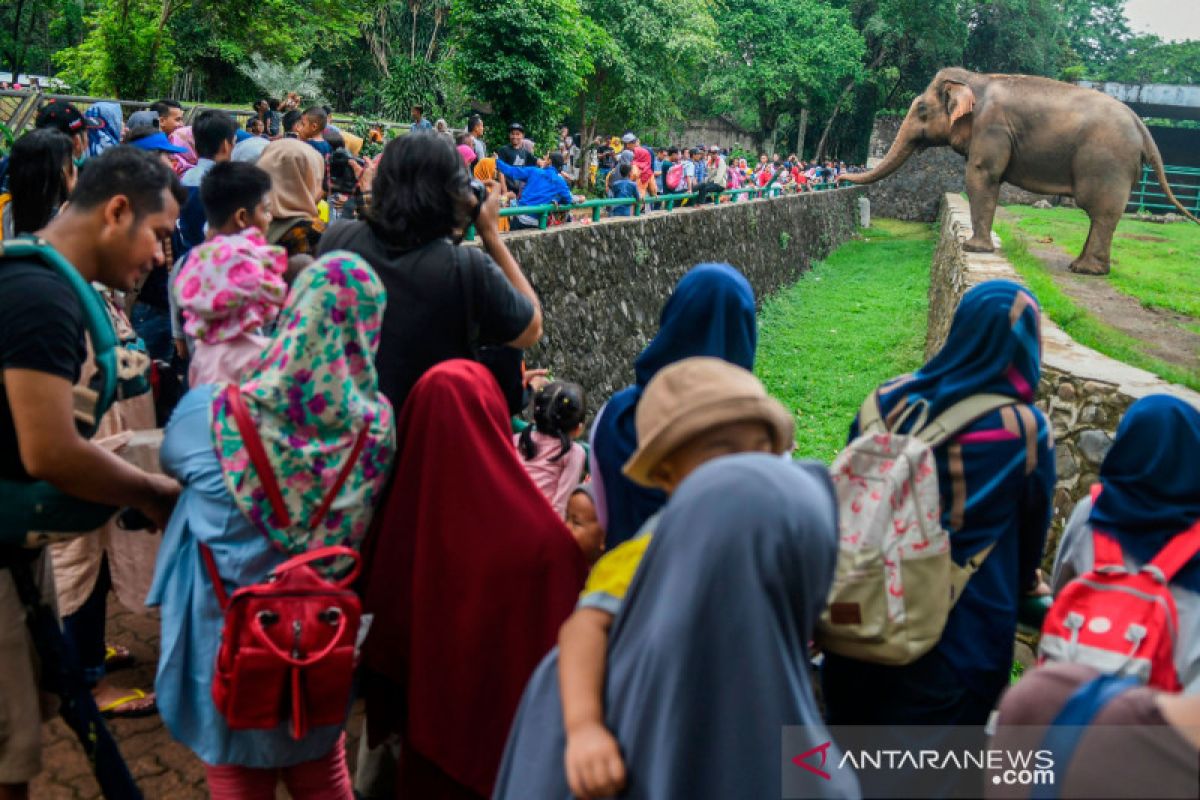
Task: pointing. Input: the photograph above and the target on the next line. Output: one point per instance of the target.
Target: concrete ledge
(1082, 392)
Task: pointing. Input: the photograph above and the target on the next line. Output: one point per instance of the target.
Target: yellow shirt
(609, 580)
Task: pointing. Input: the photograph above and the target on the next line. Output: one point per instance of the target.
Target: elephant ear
(960, 101)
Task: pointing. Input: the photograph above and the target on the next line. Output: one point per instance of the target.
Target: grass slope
(855, 320)
(1079, 324)
(1161, 267)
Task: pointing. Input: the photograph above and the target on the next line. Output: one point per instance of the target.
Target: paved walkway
(162, 767)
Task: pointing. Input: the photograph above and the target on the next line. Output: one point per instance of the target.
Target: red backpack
(1121, 622)
(288, 644)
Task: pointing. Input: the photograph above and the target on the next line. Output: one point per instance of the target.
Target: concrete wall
(603, 285)
(1082, 392)
(914, 192)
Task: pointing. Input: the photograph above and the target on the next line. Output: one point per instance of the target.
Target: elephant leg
(985, 164)
(1104, 203)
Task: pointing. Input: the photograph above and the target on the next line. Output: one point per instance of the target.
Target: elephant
(1042, 135)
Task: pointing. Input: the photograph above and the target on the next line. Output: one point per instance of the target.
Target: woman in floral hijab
(316, 407)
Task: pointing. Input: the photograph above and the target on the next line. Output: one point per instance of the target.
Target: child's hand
(593, 761)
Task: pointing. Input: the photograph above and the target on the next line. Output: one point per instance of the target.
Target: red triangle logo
(802, 760)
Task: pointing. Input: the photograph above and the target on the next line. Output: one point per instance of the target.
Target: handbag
(288, 644)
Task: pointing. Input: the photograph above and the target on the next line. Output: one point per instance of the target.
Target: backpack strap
(1072, 722)
(1106, 550)
(958, 416)
(1178, 552)
(262, 465)
(870, 420)
(96, 321)
(959, 576)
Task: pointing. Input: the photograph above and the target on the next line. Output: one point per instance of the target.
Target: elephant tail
(1151, 154)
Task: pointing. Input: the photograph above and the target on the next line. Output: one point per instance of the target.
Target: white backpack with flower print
(895, 582)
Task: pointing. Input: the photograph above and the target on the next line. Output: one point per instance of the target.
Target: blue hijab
(108, 134)
(1151, 480)
(710, 313)
(994, 346)
(707, 661)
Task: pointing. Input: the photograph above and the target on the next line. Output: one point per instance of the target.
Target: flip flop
(114, 710)
(117, 657)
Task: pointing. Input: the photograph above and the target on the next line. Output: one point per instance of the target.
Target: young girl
(228, 290)
(551, 458)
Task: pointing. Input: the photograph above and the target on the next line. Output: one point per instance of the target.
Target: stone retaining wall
(1082, 392)
(914, 192)
(603, 285)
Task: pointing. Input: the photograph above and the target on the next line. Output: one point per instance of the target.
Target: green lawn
(855, 320)
(1162, 270)
(1148, 277)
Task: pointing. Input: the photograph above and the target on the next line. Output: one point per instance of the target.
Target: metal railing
(1149, 196)
(667, 202)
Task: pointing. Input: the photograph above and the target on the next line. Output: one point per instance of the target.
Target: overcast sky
(1170, 19)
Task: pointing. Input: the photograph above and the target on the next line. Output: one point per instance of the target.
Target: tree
(1014, 36)
(1148, 59)
(1096, 32)
(528, 58)
(127, 50)
(782, 56)
(277, 79)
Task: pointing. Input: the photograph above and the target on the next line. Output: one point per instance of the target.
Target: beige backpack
(895, 582)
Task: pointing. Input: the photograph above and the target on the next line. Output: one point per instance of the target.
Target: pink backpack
(1121, 622)
(674, 177)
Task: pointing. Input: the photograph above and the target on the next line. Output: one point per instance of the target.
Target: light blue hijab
(108, 134)
(708, 658)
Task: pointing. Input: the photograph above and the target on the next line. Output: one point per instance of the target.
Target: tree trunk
(412, 46)
(801, 133)
(437, 22)
(837, 107)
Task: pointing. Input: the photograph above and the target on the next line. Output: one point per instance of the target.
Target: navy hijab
(710, 313)
(994, 346)
(1151, 480)
(707, 661)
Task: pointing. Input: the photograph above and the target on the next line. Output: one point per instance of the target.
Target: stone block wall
(914, 192)
(1083, 393)
(603, 285)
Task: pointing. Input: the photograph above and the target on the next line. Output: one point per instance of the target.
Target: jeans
(153, 324)
(86, 627)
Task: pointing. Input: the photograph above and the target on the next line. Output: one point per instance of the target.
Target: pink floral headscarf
(230, 286)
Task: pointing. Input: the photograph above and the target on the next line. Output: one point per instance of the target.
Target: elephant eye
(922, 111)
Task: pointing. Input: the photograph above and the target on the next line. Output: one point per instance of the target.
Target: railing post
(543, 220)
(595, 213)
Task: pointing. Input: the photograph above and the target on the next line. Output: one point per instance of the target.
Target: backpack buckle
(1135, 634)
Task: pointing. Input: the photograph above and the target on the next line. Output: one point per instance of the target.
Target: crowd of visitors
(639, 615)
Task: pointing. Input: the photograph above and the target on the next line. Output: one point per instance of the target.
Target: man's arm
(488, 227)
(509, 171)
(52, 450)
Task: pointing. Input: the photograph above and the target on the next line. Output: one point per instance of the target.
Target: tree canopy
(814, 70)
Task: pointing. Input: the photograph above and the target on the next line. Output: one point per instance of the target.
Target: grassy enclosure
(1146, 312)
(855, 320)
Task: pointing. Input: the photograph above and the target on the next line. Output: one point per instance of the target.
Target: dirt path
(1162, 333)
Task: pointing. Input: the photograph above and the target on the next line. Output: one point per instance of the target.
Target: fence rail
(668, 202)
(1149, 196)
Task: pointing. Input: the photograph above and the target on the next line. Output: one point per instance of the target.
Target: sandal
(117, 657)
(117, 708)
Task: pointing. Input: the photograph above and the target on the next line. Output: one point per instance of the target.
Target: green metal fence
(1149, 196)
(667, 202)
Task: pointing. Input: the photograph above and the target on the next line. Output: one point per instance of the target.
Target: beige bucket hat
(695, 395)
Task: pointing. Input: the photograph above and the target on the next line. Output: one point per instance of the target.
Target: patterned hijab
(182, 137)
(230, 286)
(314, 391)
(108, 134)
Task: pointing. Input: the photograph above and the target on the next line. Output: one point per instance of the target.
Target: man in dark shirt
(122, 209)
(515, 155)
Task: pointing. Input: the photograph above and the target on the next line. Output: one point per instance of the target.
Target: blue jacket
(543, 185)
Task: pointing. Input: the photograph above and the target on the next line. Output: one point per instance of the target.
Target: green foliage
(1096, 31)
(276, 79)
(529, 58)
(1014, 36)
(127, 52)
(780, 56)
(855, 320)
(643, 52)
(1148, 59)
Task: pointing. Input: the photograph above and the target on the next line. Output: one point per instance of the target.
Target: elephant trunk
(903, 147)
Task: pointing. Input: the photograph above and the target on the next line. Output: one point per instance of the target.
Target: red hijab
(470, 574)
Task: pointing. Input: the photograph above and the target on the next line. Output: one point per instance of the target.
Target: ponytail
(558, 409)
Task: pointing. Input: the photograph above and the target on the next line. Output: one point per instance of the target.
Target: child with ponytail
(550, 455)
